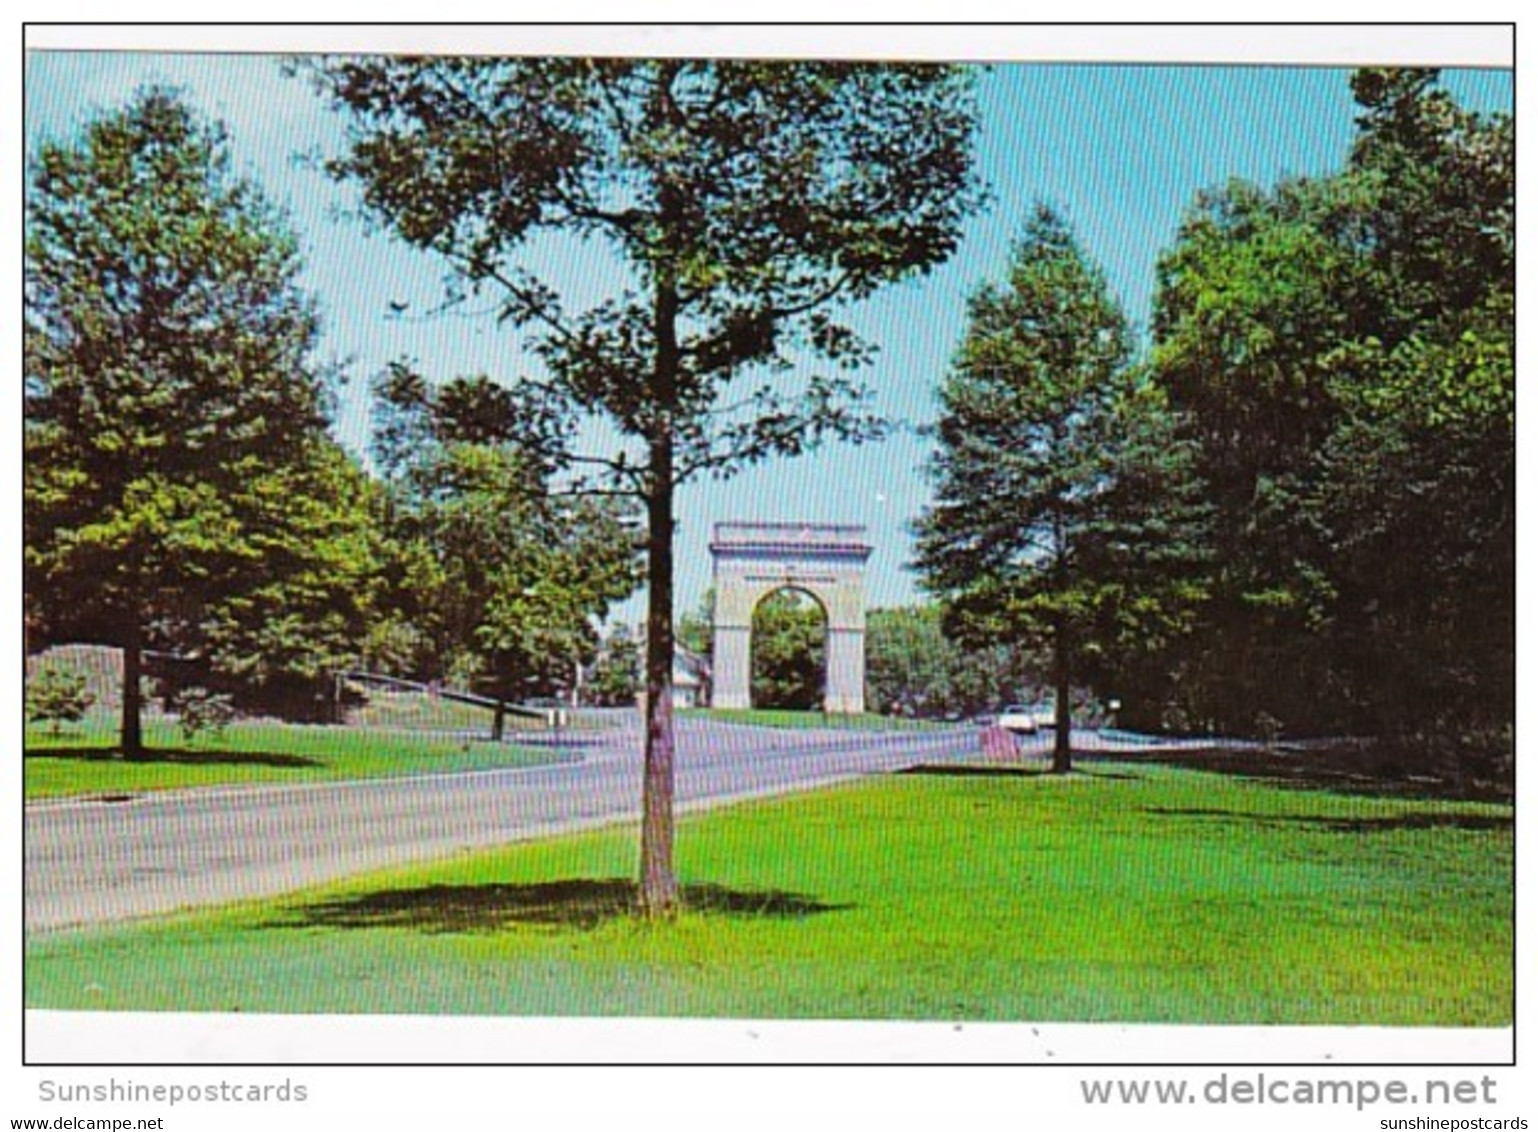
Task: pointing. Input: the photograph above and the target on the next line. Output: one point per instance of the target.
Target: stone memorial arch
(754, 560)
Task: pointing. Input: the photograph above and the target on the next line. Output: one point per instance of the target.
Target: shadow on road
(578, 903)
(576, 740)
(178, 756)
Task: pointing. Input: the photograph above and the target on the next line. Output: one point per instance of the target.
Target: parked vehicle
(1019, 718)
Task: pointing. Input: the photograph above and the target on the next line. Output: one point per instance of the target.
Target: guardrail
(551, 717)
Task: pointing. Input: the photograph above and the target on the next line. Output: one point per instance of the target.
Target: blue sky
(1120, 150)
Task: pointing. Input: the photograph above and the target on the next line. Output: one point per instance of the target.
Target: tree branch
(618, 467)
(766, 314)
(537, 309)
(580, 491)
(755, 447)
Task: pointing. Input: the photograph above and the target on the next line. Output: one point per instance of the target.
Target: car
(1019, 718)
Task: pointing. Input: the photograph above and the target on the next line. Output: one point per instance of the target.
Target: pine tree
(177, 467)
(1063, 514)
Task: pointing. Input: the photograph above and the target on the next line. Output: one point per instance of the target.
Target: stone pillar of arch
(754, 560)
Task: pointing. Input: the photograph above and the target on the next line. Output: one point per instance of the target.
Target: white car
(1019, 718)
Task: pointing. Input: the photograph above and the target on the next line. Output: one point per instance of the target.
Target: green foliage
(743, 201)
(500, 581)
(1418, 485)
(57, 696)
(1252, 281)
(199, 710)
(912, 668)
(321, 591)
(1064, 514)
(909, 663)
(615, 677)
(789, 659)
(1342, 352)
(179, 489)
(696, 629)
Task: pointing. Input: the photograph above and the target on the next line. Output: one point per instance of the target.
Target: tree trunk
(133, 671)
(1062, 663)
(658, 886)
(1062, 740)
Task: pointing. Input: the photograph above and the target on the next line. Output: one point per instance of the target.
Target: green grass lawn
(786, 718)
(1127, 893)
(84, 759)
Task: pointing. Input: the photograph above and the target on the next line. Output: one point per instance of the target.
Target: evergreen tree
(177, 470)
(1063, 514)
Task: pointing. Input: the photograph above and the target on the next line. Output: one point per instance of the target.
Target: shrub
(58, 696)
(198, 710)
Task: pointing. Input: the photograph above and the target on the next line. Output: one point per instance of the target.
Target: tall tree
(314, 589)
(1252, 286)
(1061, 503)
(505, 584)
(742, 202)
(173, 405)
(1342, 352)
(1417, 485)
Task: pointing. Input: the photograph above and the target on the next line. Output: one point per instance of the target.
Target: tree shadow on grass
(1008, 770)
(579, 903)
(174, 755)
(939, 770)
(1395, 824)
(1344, 768)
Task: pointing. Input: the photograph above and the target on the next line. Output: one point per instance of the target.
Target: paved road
(90, 862)
(93, 862)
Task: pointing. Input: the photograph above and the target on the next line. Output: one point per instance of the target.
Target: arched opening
(754, 560)
(789, 650)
